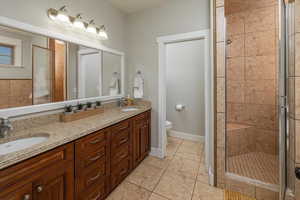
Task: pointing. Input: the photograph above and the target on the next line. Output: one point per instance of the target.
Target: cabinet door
(21, 193)
(141, 138)
(55, 184)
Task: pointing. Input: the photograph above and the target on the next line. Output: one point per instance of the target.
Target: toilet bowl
(169, 126)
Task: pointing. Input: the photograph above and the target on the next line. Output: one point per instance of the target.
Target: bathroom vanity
(85, 166)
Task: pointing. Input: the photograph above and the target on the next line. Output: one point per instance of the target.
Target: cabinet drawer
(120, 127)
(91, 143)
(119, 154)
(120, 138)
(83, 162)
(91, 175)
(119, 172)
(96, 192)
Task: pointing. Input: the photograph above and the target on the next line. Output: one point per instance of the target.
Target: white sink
(129, 109)
(20, 144)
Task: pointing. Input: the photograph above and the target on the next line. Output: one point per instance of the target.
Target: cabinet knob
(39, 188)
(26, 197)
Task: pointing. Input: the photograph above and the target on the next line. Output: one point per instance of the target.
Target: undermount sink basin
(129, 109)
(22, 143)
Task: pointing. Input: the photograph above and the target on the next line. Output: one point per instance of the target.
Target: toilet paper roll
(179, 107)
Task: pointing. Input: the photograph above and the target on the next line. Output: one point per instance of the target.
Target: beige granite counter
(62, 133)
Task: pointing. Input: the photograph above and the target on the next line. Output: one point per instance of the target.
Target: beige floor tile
(191, 147)
(202, 175)
(172, 149)
(174, 140)
(205, 192)
(175, 187)
(146, 176)
(128, 191)
(185, 167)
(157, 197)
(190, 156)
(157, 162)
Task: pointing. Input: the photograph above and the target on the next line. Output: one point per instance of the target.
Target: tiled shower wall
(15, 93)
(223, 180)
(251, 75)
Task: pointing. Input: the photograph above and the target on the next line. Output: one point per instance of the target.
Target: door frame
(80, 79)
(209, 94)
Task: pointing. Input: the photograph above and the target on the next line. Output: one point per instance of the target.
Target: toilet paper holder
(179, 107)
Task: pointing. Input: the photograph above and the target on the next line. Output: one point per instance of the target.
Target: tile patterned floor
(255, 165)
(180, 176)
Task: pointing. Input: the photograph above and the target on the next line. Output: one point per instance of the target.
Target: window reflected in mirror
(37, 70)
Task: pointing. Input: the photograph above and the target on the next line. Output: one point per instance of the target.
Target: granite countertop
(63, 133)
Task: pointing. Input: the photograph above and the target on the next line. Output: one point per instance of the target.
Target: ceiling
(131, 6)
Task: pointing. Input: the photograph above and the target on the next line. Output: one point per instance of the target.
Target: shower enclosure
(255, 87)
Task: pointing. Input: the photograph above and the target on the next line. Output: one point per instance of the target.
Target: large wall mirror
(35, 69)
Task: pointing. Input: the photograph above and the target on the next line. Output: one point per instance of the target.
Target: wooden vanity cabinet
(121, 145)
(141, 137)
(92, 156)
(86, 169)
(49, 176)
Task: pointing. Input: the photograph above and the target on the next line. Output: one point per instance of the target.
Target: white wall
(178, 16)
(35, 12)
(185, 85)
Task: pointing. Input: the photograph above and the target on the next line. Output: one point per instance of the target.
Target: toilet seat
(169, 124)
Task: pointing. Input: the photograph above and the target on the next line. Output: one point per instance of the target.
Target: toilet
(169, 126)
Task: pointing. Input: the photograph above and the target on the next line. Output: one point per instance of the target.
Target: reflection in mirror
(36, 70)
(111, 74)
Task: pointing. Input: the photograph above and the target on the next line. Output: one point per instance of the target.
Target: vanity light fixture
(91, 28)
(78, 23)
(59, 15)
(102, 33)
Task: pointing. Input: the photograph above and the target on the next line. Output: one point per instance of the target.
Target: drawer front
(120, 172)
(120, 154)
(96, 192)
(83, 162)
(120, 127)
(91, 143)
(120, 138)
(91, 175)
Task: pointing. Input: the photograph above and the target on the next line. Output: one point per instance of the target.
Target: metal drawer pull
(123, 155)
(97, 197)
(26, 197)
(123, 172)
(123, 140)
(95, 158)
(39, 189)
(95, 141)
(95, 177)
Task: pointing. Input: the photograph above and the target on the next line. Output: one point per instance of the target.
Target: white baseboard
(186, 136)
(156, 152)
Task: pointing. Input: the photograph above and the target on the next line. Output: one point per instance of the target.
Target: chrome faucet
(122, 102)
(5, 127)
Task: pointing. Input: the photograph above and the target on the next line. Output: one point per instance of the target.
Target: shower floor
(255, 165)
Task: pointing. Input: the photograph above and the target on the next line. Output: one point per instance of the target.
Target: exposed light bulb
(78, 23)
(103, 33)
(62, 15)
(91, 27)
